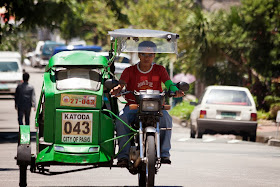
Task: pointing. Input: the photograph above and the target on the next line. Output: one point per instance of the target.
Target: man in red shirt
(142, 76)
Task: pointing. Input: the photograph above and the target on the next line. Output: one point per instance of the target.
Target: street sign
(278, 117)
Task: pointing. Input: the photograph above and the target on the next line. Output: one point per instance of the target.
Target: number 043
(80, 128)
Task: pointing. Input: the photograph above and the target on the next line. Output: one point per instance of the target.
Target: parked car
(43, 53)
(225, 110)
(122, 61)
(10, 71)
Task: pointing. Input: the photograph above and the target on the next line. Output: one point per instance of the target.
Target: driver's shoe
(122, 162)
(165, 160)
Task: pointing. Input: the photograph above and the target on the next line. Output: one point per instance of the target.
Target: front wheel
(147, 175)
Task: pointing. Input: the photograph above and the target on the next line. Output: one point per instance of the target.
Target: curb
(269, 140)
(274, 142)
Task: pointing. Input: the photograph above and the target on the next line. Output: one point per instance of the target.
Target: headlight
(59, 148)
(150, 106)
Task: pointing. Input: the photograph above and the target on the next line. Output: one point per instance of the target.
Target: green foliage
(271, 99)
(274, 108)
(182, 110)
(263, 115)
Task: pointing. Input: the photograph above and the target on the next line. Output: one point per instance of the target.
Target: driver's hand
(179, 93)
(116, 90)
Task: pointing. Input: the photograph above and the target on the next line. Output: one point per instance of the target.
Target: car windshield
(78, 78)
(49, 48)
(228, 97)
(8, 67)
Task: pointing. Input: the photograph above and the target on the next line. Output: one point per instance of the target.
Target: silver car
(225, 110)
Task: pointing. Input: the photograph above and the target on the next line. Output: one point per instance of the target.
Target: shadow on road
(12, 137)
(8, 169)
(7, 97)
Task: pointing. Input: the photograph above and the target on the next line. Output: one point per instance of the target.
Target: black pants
(26, 113)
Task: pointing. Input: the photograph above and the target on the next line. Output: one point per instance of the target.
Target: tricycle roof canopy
(131, 40)
(143, 33)
(77, 58)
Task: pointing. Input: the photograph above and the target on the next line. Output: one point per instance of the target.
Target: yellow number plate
(76, 127)
(78, 100)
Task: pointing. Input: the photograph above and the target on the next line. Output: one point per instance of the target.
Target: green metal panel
(50, 155)
(24, 131)
(106, 133)
(74, 58)
(49, 107)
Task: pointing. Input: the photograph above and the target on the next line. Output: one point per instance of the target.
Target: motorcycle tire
(146, 176)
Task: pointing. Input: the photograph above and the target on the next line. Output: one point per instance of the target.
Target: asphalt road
(211, 161)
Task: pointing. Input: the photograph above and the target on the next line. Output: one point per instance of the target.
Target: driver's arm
(170, 85)
(116, 90)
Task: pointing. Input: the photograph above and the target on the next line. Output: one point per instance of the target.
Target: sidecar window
(86, 79)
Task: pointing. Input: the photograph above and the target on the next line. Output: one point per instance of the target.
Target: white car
(122, 61)
(10, 71)
(225, 110)
(43, 53)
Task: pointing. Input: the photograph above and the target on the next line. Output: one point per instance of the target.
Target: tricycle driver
(142, 76)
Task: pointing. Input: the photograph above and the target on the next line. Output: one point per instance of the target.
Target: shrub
(182, 110)
(273, 110)
(271, 99)
(263, 115)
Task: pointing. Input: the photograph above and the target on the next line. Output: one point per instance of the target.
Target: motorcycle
(144, 154)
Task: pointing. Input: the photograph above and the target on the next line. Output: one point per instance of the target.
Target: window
(76, 78)
(228, 97)
(8, 67)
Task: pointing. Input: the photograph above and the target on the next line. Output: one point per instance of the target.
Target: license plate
(76, 127)
(228, 114)
(78, 100)
(3, 87)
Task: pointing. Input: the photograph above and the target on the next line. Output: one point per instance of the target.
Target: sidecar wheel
(22, 175)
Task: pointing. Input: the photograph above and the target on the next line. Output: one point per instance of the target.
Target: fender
(150, 129)
(24, 147)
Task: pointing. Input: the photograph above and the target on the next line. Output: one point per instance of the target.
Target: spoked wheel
(22, 175)
(147, 174)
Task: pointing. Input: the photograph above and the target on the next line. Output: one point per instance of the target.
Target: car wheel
(199, 134)
(253, 138)
(193, 134)
(245, 138)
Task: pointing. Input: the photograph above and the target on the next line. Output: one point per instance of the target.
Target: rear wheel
(193, 132)
(142, 177)
(22, 175)
(245, 137)
(253, 138)
(199, 134)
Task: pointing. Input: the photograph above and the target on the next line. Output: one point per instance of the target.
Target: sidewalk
(266, 131)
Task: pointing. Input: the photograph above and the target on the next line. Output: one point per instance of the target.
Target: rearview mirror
(183, 86)
(111, 83)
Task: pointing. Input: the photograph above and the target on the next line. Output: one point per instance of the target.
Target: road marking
(233, 141)
(183, 139)
(209, 140)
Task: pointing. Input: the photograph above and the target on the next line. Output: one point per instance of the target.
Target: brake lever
(121, 93)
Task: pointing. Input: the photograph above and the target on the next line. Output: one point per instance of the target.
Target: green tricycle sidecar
(72, 121)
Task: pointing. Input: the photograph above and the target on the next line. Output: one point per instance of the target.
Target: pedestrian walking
(24, 100)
